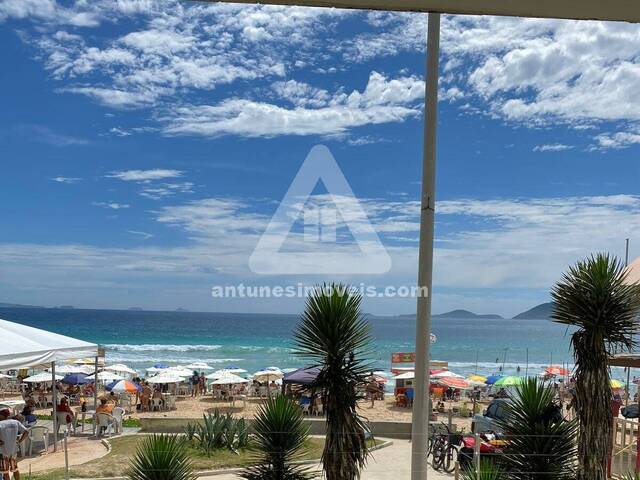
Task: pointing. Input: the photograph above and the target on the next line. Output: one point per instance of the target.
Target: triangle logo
(320, 249)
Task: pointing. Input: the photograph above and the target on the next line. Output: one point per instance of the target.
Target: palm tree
(161, 457)
(594, 297)
(541, 446)
(280, 434)
(334, 336)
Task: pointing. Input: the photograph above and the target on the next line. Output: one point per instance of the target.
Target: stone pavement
(392, 462)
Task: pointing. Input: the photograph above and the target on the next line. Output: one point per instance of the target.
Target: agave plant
(333, 335)
(595, 297)
(217, 431)
(280, 437)
(161, 457)
(541, 444)
(489, 470)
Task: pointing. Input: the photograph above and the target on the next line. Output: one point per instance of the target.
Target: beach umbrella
(405, 376)
(234, 369)
(75, 379)
(106, 377)
(2, 375)
(180, 371)
(64, 369)
(491, 379)
(616, 384)
(378, 379)
(41, 378)
(509, 381)
(454, 382)
(85, 361)
(199, 366)
(556, 370)
(121, 368)
(123, 386)
(302, 376)
(161, 365)
(477, 378)
(268, 375)
(167, 377)
(230, 379)
(445, 374)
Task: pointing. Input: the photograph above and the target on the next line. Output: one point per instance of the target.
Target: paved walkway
(393, 462)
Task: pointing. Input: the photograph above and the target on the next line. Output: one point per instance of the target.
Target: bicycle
(444, 449)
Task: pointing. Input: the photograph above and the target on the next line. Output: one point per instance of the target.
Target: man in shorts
(12, 432)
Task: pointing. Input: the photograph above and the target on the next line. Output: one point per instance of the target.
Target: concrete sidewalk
(392, 462)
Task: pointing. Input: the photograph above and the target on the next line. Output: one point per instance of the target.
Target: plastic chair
(156, 404)
(38, 434)
(118, 417)
(170, 402)
(318, 410)
(62, 421)
(106, 422)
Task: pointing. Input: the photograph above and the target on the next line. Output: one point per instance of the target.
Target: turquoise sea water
(250, 341)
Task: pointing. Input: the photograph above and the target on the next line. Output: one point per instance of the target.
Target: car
(488, 421)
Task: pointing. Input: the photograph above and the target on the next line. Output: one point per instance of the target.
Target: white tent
(22, 346)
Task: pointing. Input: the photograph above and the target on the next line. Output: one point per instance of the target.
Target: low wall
(316, 426)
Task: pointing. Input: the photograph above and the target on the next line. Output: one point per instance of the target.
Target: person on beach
(9, 430)
(372, 391)
(195, 380)
(202, 384)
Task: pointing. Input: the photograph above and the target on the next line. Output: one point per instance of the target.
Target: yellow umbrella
(616, 384)
(477, 378)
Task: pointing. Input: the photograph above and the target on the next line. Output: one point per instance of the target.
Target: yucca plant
(595, 297)
(217, 431)
(631, 476)
(489, 470)
(161, 457)
(541, 445)
(334, 336)
(280, 437)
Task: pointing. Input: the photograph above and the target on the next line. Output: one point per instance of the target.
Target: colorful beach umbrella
(509, 381)
(75, 379)
(491, 379)
(477, 378)
(616, 384)
(454, 382)
(123, 386)
(557, 370)
(445, 374)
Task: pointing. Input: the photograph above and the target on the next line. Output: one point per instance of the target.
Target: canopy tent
(22, 346)
(302, 376)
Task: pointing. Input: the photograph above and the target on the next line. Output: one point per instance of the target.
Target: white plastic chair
(38, 434)
(156, 404)
(62, 421)
(118, 417)
(106, 422)
(170, 402)
(305, 408)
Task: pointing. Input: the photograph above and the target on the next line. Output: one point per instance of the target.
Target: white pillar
(420, 420)
(54, 400)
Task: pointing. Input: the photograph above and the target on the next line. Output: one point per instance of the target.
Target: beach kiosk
(22, 346)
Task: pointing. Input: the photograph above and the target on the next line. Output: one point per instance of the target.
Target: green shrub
(218, 431)
(489, 470)
(161, 457)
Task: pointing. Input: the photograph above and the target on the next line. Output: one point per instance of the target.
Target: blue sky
(146, 144)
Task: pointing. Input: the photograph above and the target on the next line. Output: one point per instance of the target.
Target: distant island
(66, 307)
(539, 312)
(17, 305)
(135, 309)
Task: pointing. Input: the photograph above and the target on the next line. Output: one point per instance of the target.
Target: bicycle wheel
(430, 445)
(439, 452)
(450, 458)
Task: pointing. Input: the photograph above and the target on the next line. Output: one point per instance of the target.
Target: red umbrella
(454, 382)
(556, 370)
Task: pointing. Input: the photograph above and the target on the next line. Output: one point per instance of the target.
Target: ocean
(255, 341)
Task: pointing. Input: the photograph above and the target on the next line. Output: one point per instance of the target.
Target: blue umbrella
(231, 367)
(302, 376)
(75, 379)
(161, 365)
(493, 379)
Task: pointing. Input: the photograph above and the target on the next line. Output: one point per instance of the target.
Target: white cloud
(158, 192)
(316, 113)
(143, 235)
(111, 205)
(145, 175)
(61, 179)
(621, 139)
(552, 147)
